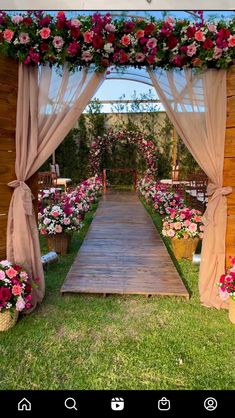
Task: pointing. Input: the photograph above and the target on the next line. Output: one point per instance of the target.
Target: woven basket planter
(184, 248)
(59, 243)
(8, 319)
(231, 312)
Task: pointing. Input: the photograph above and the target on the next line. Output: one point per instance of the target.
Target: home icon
(24, 405)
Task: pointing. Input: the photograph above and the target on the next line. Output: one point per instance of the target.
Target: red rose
(224, 33)
(75, 32)
(72, 50)
(172, 41)
(178, 61)
(98, 42)
(110, 38)
(124, 57)
(44, 47)
(28, 21)
(28, 288)
(151, 59)
(184, 49)
(149, 29)
(105, 62)
(190, 32)
(5, 295)
(208, 44)
(17, 267)
(129, 27)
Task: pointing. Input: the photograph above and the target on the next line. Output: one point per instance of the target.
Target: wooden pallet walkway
(123, 253)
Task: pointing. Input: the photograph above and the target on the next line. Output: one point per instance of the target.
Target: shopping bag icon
(164, 404)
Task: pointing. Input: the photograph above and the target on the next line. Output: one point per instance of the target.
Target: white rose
(109, 48)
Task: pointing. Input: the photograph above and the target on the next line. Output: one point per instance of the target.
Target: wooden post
(104, 181)
(8, 103)
(174, 155)
(229, 163)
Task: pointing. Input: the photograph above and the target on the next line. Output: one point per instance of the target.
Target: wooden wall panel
(229, 162)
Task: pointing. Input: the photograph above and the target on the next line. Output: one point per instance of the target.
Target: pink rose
(187, 223)
(66, 221)
(152, 42)
(2, 275)
(177, 225)
(199, 36)
(125, 40)
(212, 28)
(192, 227)
(58, 42)
(171, 233)
(231, 41)
(110, 27)
(16, 290)
(11, 273)
(202, 227)
(140, 57)
(76, 23)
(24, 38)
(139, 34)
(8, 35)
(58, 229)
(88, 36)
(191, 50)
(87, 56)
(55, 213)
(43, 231)
(217, 53)
(20, 304)
(45, 33)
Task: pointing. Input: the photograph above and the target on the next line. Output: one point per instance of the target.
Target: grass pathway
(83, 342)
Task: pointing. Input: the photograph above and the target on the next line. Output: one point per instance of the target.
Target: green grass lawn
(85, 342)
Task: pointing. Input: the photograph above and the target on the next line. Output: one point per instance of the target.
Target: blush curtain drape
(196, 105)
(48, 106)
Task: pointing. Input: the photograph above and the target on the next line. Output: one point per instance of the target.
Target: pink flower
(16, 290)
(231, 41)
(202, 227)
(223, 294)
(125, 40)
(192, 227)
(43, 231)
(24, 38)
(17, 19)
(73, 48)
(87, 56)
(58, 229)
(201, 235)
(45, 33)
(8, 35)
(58, 42)
(191, 50)
(55, 213)
(20, 304)
(170, 20)
(171, 233)
(152, 42)
(5, 263)
(2, 275)
(217, 53)
(199, 36)
(139, 34)
(212, 28)
(185, 236)
(177, 225)
(76, 23)
(187, 223)
(110, 27)
(66, 221)
(11, 273)
(88, 36)
(140, 57)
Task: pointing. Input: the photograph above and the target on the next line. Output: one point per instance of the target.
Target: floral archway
(146, 147)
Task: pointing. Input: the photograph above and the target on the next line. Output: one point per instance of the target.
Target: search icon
(70, 403)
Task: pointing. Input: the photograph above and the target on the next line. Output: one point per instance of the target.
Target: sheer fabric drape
(196, 105)
(48, 106)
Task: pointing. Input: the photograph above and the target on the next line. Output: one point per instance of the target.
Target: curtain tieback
(25, 194)
(215, 192)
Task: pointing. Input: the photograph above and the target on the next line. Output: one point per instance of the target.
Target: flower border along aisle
(227, 289)
(15, 293)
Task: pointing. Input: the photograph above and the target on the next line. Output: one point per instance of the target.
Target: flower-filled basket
(15, 293)
(185, 228)
(227, 289)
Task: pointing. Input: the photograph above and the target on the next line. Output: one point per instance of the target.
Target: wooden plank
(123, 253)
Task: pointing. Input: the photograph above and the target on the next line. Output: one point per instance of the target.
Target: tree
(83, 148)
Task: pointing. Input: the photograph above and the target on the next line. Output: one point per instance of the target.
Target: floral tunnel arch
(146, 147)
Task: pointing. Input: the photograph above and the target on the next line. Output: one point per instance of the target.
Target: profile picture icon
(210, 404)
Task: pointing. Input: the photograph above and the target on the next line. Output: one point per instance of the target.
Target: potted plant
(185, 228)
(15, 293)
(227, 289)
(57, 223)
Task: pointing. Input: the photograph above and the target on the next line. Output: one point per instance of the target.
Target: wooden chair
(46, 181)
